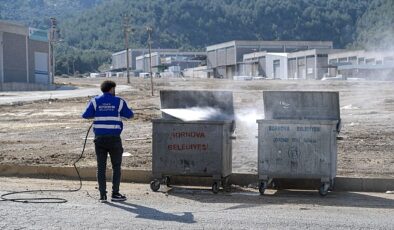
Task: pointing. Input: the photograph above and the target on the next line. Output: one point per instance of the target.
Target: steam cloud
(195, 113)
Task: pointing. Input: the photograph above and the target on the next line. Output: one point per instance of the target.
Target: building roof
(362, 53)
(262, 54)
(12, 27)
(179, 53)
(303, 53)
(328, 44)
(143, 50)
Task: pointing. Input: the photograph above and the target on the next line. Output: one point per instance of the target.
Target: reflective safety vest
(107, 111)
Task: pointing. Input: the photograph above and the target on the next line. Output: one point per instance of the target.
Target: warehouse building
(24, 59)
(371, 65)
(309, 64)
(119, 60)
(264, 64)
(306, 64)
(173, 61)
(225, 59)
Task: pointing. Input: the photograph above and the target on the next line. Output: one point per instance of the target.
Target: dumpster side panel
(297, 149)
(193, 149)
(227, 150)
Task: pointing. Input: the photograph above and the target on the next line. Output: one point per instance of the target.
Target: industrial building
(264, 64)
(309, 64)
(225, 60)
(24, 56)
(362, 64)
(196, 72)
(119, 60)
(173, 61)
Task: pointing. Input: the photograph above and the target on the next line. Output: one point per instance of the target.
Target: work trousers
(113, 146)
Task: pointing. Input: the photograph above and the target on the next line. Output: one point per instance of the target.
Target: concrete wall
(15, 57)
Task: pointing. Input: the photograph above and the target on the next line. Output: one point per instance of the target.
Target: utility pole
(127, 30)
(52, 39)
(150, 30)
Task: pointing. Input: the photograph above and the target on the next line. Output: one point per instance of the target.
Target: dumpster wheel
(215, 187)
(323, 191)
(262, 187)
(155, 185)
(168, 181)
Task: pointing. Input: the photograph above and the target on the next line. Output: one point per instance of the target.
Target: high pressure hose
(49, 199)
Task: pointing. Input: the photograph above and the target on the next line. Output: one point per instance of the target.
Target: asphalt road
(194, 208)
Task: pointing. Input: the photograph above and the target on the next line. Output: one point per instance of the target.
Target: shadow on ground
(251, 197)
(154, 214)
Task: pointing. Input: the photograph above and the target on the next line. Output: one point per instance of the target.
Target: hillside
(36, 13)
(375, 29)
(92, 29)
(195, 24)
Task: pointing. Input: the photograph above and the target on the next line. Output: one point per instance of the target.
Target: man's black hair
(107, 85)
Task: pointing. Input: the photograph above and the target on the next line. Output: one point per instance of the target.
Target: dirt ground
(51, 132)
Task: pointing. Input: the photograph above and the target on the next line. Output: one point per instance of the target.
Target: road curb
(241, 179)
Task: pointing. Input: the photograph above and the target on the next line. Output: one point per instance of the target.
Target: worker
(107, 110)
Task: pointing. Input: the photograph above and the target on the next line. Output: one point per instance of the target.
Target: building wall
(211, 59)
(119, 60)
(221, 57)
(292, 68)
(14, 53)
(307, 67)
(301, 68)
(235, 51)
(262, 67)
(139, 64)
(241, 51)
(322, 66)
(1, 58)
(19, 48)
(181, 59)
(197, 72)
(38, 49)
(310, 67)
(363, 64)
(281, 72)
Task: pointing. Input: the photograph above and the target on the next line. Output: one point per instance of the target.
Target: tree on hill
(375, 29)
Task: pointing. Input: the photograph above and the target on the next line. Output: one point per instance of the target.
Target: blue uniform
(107, 111)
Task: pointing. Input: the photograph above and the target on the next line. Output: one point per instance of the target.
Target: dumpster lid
(197, 105)
(313, 105)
